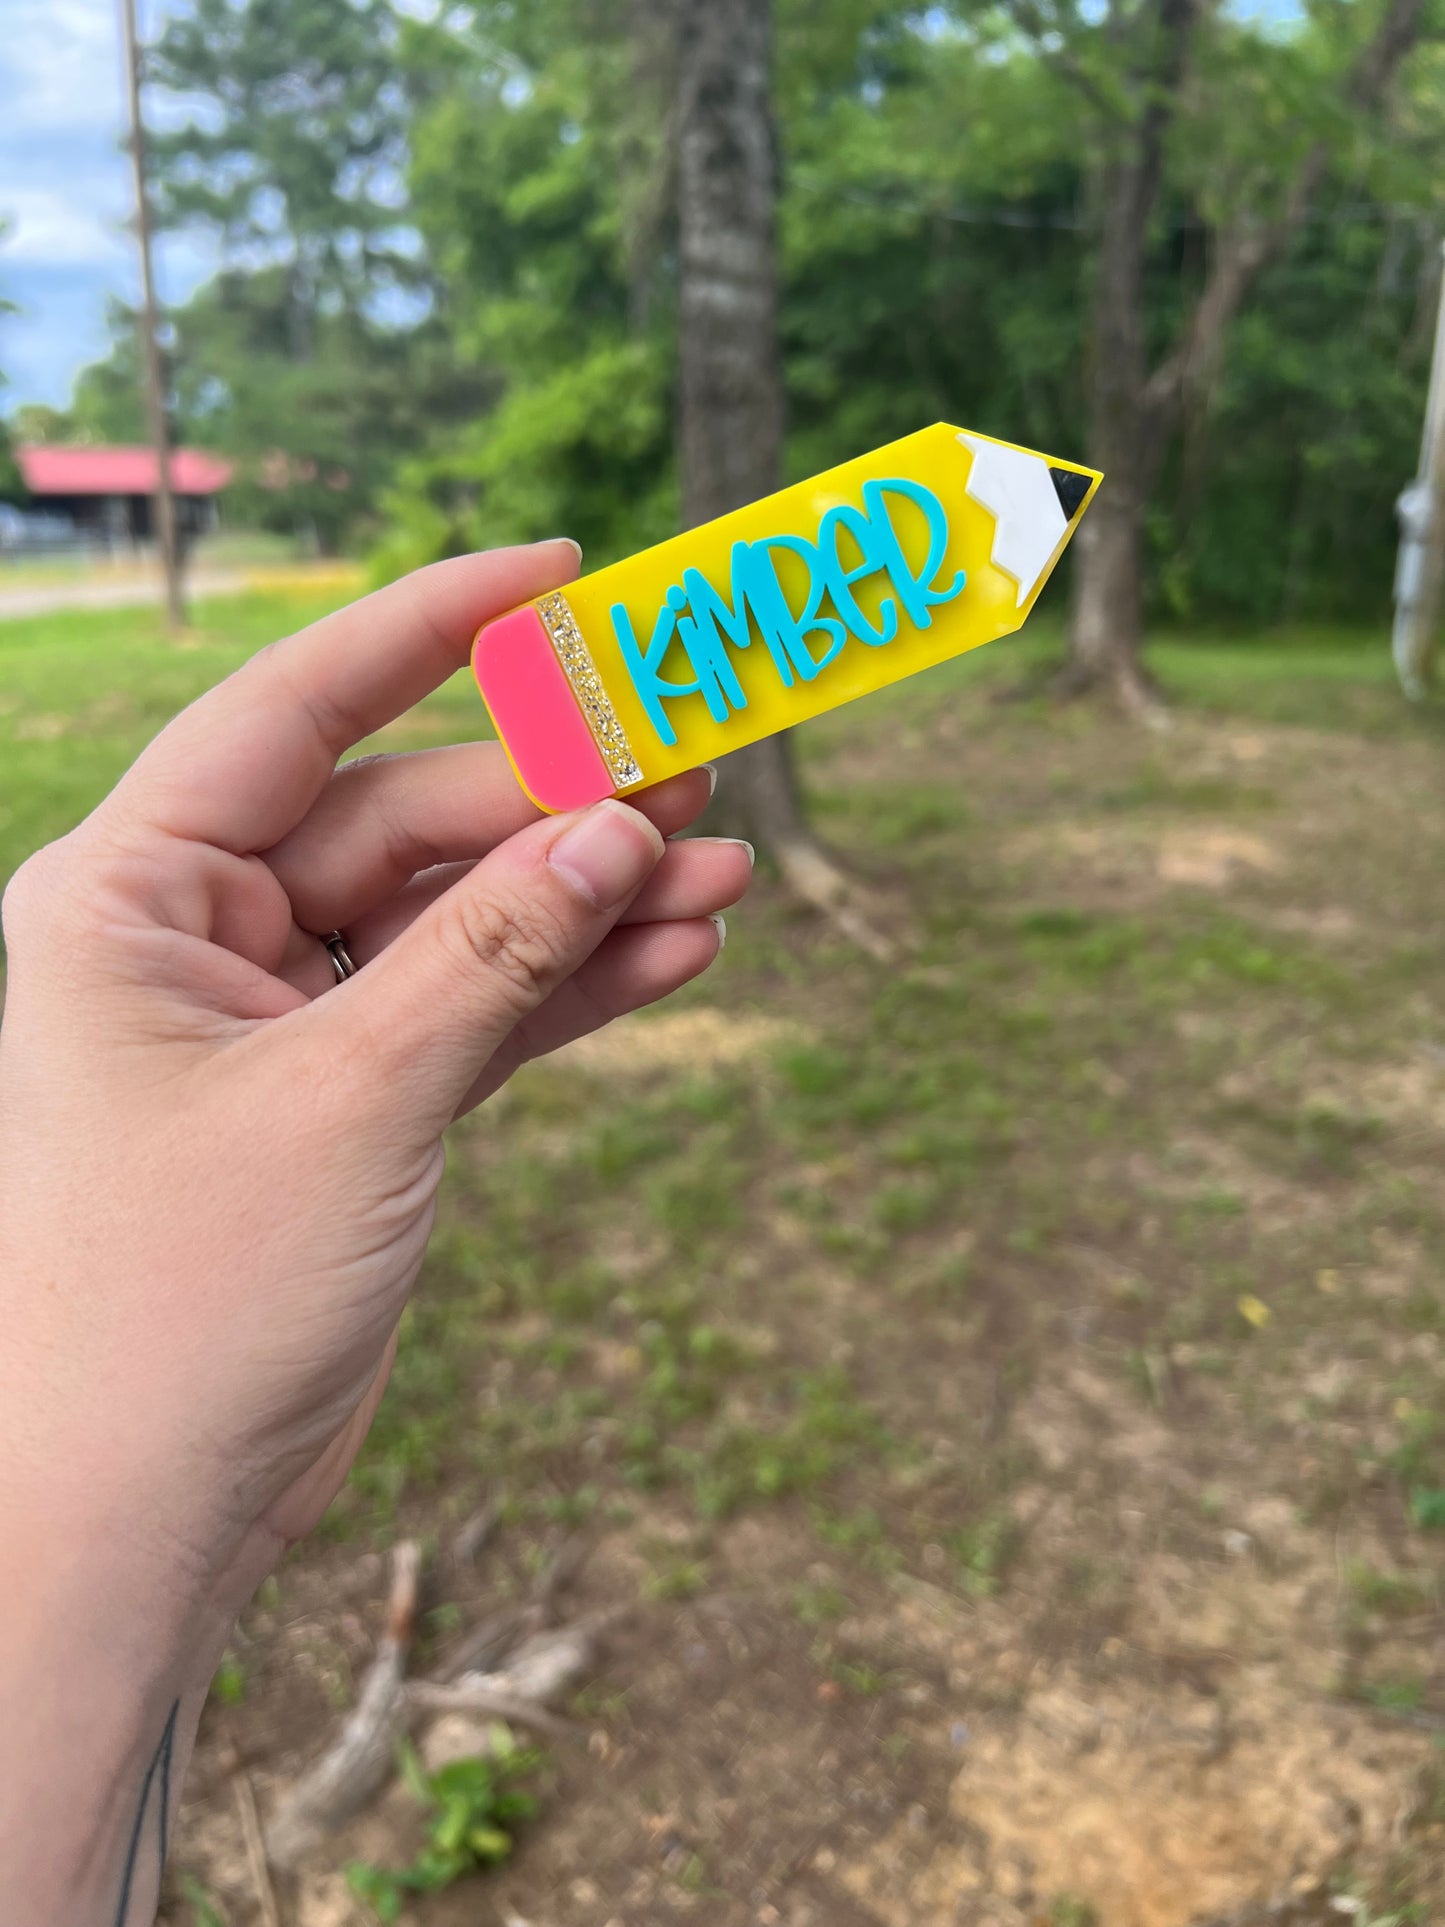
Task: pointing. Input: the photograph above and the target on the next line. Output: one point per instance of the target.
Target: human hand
(218, 1168)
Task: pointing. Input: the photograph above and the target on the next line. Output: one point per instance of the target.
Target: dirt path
(91, 593)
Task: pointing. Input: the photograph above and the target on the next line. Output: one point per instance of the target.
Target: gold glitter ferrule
(586, 685)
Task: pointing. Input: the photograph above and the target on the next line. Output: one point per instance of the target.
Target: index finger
(242, 765)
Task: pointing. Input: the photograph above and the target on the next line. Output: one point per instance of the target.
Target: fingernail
(737, 843)
(575, 547)
(607, 854)
(720, 924)
(710, 771)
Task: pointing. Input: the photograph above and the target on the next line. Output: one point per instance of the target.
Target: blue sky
(65, 192)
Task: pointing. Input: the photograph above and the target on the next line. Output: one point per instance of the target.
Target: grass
(1168, 1141)
(82, 694)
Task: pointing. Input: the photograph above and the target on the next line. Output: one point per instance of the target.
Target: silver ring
(342, 961)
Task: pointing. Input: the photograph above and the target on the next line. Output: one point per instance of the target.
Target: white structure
(1421, 509)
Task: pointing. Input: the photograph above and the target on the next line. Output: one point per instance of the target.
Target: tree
(543, 180)
(730, 376)
(1154, 73)
(317, 357)
(12, 485)
(106, 403)
(38, 422)
(298, 157)
(539, 181)
(937, 219)
(316, 441)
(1276, 504)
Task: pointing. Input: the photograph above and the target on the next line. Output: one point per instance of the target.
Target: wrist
(100, 1456)
(106, 1650)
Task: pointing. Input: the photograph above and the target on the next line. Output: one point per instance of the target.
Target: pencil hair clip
(776, 613)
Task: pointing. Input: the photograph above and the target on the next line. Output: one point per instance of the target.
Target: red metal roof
(118, 471)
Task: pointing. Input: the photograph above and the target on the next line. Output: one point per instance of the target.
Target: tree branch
(1128, 189)
(522, 1681)
(361, 1759)
(1247, 247)
(475, 1694)
(1064, 59)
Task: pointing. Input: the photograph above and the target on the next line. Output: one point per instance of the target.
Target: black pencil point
(1071, 488)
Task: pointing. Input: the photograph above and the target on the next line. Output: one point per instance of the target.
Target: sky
(65, 192)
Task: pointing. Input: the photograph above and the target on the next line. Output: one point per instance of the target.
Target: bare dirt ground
(124, 584)
(105, 592)
(1004, 1392)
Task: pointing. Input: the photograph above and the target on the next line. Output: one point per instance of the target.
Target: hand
(218, 1168)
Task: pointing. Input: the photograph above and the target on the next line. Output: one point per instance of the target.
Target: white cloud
(54, 226)
(60, 67)
(63, 175)
(65, 189)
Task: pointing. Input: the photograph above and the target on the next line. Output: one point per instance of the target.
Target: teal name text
(801, 640)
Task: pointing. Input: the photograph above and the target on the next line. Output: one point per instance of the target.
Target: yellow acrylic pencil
(807, 599)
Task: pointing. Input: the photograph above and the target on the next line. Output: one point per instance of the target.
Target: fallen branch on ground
(507, 1669)
(477, 1696)
(360, 1761)
(825, 885)
(255, 1847)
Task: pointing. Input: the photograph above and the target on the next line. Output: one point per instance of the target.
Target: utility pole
(154, 376)
(1420, 570)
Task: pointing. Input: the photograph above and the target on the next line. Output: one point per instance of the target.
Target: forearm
(104, 1666)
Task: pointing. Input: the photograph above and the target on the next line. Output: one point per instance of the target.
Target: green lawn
(82, 694)
(1052, 1321)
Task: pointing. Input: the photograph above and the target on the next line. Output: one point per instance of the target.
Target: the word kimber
(705, 624)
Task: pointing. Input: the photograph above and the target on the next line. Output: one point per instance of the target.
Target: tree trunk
(1107, 614)
(730, 423)
(1107, 623)
(730, 402)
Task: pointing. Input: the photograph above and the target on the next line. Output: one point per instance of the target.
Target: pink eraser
(545, 733)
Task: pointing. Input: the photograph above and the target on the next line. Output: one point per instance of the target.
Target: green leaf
(378, 1888)
(449, 1829)
(489, 1843)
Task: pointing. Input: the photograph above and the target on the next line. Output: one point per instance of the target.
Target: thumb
(422, 1020)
